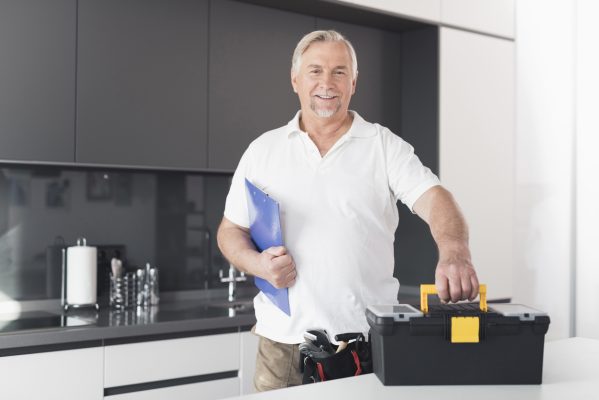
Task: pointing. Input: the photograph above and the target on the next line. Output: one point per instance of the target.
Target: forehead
(327, 53)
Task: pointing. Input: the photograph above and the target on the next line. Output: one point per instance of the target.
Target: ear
(294, 81)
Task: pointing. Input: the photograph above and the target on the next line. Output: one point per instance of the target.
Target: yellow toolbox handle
(425, 290)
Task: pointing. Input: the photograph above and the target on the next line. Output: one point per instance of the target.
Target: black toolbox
(457, 344)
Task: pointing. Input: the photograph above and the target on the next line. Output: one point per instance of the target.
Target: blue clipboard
(265, 231)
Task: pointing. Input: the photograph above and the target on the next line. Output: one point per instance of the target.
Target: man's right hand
(277, 267)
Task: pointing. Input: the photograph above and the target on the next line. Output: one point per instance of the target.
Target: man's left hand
(455, 277)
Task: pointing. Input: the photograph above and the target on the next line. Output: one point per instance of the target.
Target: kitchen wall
(184, 85)
(166, 218)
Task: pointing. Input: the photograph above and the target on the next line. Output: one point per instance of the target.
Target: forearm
(273, 264)
(447, 224)
(238, 248)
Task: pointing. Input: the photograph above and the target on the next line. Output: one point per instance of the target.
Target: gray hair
(322, 36)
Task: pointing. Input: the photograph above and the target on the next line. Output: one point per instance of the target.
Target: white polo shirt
(338, 217)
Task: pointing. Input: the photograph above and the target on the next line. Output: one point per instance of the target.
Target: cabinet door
(60, 375)
(249, 350)
(250, 84)
(37, 84)
(142, 82)
(154, 361)
(422, 9)
(477, 146)
(496, 17)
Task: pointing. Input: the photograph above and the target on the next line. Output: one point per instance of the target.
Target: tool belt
(352, 360)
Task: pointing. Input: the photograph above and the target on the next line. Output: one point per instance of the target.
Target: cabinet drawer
(52, 375)
(212, 390)
(132, 363)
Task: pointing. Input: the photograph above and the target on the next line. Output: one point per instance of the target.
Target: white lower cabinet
(163, 368)
(206, 367)
(217, 389)
(61, 375)
(249, 349)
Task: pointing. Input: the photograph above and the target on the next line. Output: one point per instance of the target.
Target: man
(337, 179)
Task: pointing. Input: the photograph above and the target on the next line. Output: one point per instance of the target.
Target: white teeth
(324, 97)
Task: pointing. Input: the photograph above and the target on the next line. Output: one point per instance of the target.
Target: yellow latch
(425, 290)
(464, 330)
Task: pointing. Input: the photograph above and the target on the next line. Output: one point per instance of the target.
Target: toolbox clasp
(465, 330)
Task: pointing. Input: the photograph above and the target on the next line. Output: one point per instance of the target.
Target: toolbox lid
(521, 311)
(399, 312)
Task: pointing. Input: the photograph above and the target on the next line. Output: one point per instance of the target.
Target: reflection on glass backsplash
(166, 218)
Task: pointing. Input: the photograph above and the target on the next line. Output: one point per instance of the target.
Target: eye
(339, 72)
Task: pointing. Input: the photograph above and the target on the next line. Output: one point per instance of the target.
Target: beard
(324, 112)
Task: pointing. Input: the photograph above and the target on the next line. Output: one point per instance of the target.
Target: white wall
(557, 163)
(544, 159)
(587, 169)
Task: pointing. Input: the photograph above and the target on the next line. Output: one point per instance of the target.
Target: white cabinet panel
(61, 375)
(490, 16)
(477, 146)
(132, 363)
(421, 9)
(587, 166)
(249, 350)
(211, 390)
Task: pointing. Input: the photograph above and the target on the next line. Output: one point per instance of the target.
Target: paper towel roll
(81, 275)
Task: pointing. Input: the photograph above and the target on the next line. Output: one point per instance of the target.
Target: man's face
(324, 82)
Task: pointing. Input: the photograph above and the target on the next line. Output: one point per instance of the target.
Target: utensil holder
(122, 291)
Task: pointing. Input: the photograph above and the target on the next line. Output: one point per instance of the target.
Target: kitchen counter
(570, 369)
(44, 331)
(207, 313)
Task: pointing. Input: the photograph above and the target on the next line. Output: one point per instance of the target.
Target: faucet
(232, 280)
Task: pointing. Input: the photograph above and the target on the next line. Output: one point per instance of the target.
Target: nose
(326, 81)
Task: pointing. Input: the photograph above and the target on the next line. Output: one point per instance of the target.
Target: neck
(324, 132)
(325, 128)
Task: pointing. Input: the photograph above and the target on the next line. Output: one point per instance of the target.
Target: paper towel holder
(63, 290)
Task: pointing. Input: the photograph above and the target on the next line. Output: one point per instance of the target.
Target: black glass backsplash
(166, 218)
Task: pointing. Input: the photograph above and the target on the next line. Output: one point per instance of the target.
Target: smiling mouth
(325, 97)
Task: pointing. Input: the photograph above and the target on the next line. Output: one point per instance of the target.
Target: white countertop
(571, 368)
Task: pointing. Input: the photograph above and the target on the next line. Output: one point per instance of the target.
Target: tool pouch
(354, 360)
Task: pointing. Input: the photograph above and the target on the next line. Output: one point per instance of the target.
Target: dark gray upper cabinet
(142, 82)
(377, 97)
(250, 63)
(37, 80)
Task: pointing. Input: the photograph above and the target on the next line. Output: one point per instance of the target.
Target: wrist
(453, 248)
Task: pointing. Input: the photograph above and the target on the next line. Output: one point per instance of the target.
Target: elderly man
(337, 179)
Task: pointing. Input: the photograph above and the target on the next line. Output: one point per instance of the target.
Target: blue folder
(265, 231)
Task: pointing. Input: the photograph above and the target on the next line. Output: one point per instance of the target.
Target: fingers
(280, 267)
(475, 287)
(455, 282)
(442, 288)
(466, 284)
(276, 250)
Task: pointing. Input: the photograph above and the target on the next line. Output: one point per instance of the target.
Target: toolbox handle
(425, 290)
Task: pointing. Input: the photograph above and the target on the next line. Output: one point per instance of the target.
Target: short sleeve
(408, 178)
(236, 209)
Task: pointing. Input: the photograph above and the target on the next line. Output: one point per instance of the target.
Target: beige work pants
(277, 365)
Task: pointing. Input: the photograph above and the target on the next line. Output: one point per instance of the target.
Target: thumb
(276, 251)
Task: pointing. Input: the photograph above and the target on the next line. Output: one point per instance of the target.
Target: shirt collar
(359, 128)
